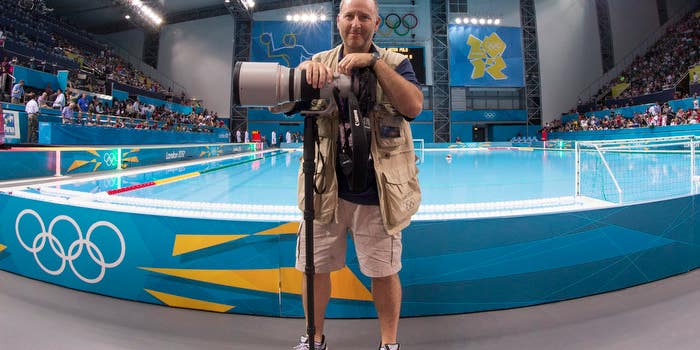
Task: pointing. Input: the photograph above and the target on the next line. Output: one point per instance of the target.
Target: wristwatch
(375, 58)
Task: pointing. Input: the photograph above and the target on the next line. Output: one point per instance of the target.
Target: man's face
(357, 22)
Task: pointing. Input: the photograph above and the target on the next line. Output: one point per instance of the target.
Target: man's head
(21, 82)
(358, 20)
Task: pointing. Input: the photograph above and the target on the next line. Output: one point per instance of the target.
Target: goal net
(624, 171)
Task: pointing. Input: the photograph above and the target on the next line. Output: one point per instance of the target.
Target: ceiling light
(458, 20)
(497, 21)
(489, 21)
(482, 21)
(289, 17)
(323, 17)
(474, 20)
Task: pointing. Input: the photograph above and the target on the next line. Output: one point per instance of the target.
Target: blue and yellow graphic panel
(486, 56)
(288, 43)
(247, 266)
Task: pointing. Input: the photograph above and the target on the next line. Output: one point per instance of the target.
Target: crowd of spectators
(131, 113)
(663, 65)
(97, 66)
(656, 115)
(661, 68)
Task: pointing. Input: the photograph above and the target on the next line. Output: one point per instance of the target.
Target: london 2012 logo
(486, 56)
(47, 244)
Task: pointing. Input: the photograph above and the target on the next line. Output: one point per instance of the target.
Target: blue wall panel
(489, 115)
(73, 134)
(422, 130)
(35, 78)
(506, 132)
(449, 266)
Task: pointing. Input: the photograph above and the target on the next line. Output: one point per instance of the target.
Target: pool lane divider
(187, 176)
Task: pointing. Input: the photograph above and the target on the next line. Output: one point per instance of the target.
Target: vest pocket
(401, 192)
(389, 130)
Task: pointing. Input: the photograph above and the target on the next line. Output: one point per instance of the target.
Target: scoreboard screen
(417, 57)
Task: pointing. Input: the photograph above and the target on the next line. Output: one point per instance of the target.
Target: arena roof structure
(108, 16)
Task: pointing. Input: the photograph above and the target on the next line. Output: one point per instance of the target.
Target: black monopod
(310, 270)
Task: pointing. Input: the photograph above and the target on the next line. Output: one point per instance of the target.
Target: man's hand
(354, 60)
(317, 74)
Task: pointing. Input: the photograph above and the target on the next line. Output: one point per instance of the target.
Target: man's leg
(322, 294)
(33, 128)
(387, 299)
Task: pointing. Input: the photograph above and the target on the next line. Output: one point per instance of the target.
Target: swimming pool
(448, 177)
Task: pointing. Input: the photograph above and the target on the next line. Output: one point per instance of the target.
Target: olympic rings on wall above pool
(397, 24)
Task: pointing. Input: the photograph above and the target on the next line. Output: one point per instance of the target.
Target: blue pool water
(470, 177)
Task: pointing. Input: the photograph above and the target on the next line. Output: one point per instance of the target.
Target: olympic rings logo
(394, 23)
(74, 250)
(110, 159)
(489, 115)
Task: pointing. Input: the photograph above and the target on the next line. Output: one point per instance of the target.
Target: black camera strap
(354, 142)
(355, 130)
(360, 134)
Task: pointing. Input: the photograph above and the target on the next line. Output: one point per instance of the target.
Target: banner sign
(288, 43)
(694, 74)
(11, 125)
(618, 89)
(485, 56)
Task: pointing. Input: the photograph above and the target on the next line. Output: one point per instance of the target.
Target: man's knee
(386, 279)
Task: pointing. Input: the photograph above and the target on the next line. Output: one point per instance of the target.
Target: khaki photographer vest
(394, 158)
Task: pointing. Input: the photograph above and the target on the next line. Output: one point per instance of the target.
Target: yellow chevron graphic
(97, 165)
(131, 160)
(190, 243)
(2, 247)
(345, 284)
(76, 164)
(93, 152)
(285, 280)
(185, 243)
(288, 228)
(189, 303)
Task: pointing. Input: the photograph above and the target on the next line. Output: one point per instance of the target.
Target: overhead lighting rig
(143, 10)
(309, 17)
(490, 21)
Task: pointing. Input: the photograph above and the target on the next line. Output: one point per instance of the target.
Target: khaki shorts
(378, 253)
